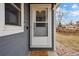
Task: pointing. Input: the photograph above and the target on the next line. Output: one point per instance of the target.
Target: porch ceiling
(54, 5)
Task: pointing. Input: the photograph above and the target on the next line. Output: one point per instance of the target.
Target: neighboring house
(69, 27)
(25, 27)
(77, 23)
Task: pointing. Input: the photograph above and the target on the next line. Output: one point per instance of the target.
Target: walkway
(61, 50)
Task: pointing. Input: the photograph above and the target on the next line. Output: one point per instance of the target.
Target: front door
(40, 26)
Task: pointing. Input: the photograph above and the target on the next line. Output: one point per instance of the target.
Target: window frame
(11, 29)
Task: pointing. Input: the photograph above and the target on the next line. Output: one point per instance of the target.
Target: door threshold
(49, 49)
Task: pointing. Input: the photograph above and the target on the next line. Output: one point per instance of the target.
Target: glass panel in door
(41, 25)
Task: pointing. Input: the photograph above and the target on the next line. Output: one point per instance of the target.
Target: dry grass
(71, 41)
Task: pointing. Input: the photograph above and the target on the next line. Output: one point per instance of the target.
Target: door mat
(39, 53)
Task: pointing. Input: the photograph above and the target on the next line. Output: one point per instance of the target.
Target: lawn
(70, 41)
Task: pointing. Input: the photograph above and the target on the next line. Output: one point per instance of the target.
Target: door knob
(27, 27)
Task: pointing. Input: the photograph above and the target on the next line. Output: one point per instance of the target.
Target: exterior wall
(17, 44)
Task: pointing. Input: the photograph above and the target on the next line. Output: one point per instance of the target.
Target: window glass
(40, 25)
(18, 5)
(40, 16)
(12, 15)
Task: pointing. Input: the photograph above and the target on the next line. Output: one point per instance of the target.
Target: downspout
(54, 23)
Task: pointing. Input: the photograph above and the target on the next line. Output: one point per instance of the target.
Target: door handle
(27, 27)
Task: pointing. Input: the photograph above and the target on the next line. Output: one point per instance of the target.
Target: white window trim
(10, 29)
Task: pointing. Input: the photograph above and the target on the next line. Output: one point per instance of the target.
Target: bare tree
(71, 22)
(60, 16)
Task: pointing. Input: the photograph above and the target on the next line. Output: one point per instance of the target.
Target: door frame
(52, 24)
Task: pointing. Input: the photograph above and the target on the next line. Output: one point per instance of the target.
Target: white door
(40, 26)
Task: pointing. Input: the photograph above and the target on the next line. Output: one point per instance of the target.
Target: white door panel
(39, 41)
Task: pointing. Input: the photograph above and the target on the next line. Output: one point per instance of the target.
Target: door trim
(52, 48)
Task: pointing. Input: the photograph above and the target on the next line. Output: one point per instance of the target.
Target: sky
(71, 12)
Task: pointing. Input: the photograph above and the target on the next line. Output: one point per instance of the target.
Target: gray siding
(53, 30)
(17, 44)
